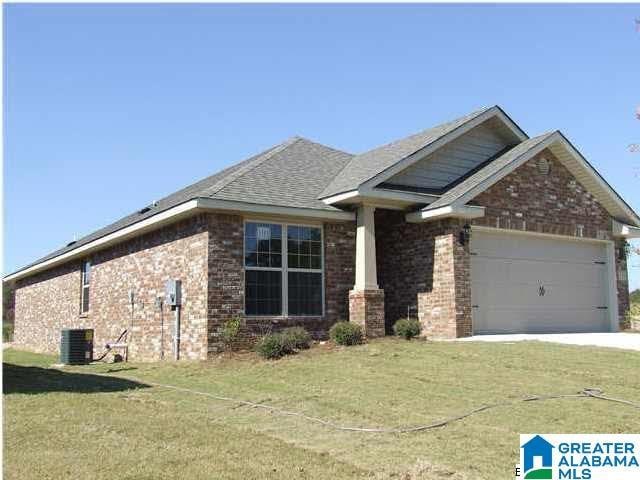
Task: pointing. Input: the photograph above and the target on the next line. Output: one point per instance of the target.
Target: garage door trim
(612, 288)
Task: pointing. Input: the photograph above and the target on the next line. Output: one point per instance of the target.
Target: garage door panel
(539, 321)
(530, 247)
(525, 283)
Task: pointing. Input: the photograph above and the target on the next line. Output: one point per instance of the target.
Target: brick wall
(206, 253)
(623, 286)
(555, 203)
(424, 267)
(45, 303)
(49, 301)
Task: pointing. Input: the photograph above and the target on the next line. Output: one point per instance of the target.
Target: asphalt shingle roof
(290, 174)
(488, 171)
(366, 165)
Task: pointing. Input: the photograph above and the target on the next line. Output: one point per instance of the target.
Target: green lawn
(72, 424)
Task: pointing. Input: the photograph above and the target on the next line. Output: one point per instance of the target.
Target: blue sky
(108, 107)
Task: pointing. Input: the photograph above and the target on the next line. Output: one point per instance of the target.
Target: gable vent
(543, 166)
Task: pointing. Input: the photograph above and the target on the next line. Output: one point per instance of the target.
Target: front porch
(410, 269)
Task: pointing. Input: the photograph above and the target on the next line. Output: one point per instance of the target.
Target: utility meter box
(173, 292)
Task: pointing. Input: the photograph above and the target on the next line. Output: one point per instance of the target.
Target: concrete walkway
(629, 341)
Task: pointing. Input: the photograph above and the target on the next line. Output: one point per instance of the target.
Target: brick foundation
(366, 308)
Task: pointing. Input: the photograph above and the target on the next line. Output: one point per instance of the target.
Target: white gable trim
(449, 211)
(625, 231)
(367, 188)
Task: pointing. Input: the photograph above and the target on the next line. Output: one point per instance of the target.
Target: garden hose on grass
(588, 393)
(108, 346)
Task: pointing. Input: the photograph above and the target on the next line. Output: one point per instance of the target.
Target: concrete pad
(628, 341)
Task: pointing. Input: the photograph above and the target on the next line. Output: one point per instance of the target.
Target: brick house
(471, 226)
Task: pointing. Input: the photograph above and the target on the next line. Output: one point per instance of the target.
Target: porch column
(366, 300)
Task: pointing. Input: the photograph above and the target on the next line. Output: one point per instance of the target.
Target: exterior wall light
(465, 234)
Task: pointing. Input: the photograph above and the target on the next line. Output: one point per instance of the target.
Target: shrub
(346, 333)
(297, 338)
(407, 328)
(230, 330)
(273, 345)
(7, 332)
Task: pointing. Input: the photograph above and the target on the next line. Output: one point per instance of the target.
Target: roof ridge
(468, 117)
(228, 180)
(324, 146)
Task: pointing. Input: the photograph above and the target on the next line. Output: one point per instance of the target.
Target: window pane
(305, 293)
(250, 245)
(86, 273)
(263, 292)
(85, 299)
(261, 241)
(315, 234)
(263, 259)
(250, 230)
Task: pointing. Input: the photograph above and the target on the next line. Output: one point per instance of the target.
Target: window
(84, 292)
(283, 277)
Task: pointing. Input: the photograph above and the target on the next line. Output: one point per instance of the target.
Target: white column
(366, 275)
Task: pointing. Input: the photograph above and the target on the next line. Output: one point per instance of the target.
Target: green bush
(273, 345)
(7, 332)
(346, 333)
(231, 330)
(407, 328)
(297, 338)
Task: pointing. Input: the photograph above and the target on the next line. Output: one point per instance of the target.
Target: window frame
(85, 287)
(284, 269)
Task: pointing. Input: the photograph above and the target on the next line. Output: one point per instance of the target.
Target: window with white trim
(84, 286)
(283, 269)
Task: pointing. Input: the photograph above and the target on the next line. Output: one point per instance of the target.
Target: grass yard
(71, 423)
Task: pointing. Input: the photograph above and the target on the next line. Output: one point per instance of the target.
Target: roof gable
(564, 151)
(375, 166)
(448, 165)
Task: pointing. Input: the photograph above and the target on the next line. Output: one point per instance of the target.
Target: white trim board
(190, 207)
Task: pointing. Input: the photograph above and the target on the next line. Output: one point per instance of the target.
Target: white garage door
(531, 284)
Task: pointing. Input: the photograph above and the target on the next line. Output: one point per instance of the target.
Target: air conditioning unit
(76, 346)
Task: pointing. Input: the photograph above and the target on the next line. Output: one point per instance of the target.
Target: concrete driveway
(628, 341)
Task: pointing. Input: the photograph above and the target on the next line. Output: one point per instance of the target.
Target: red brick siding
(206, 253)
(422, 265)
(45, 303)
(366, 308)
(50, 301)
(226, 274)
(623, 286)
(555, 203)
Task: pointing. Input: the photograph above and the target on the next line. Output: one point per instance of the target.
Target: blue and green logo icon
(537, 459)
